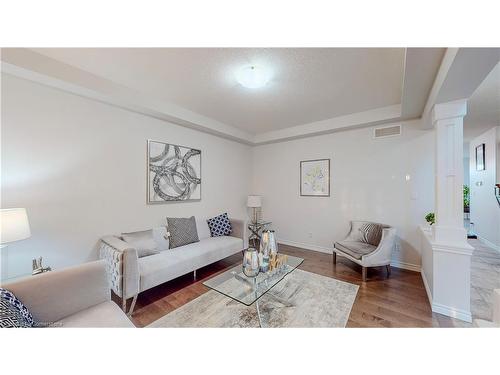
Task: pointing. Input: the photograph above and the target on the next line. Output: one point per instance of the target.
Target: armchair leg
(132, 306)
(124, 305)
(388, 268)
(334, 257)
(364, 273)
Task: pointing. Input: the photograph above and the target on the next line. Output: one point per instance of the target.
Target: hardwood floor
(398, 301)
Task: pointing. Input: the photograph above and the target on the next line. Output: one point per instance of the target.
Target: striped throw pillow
(371, 233)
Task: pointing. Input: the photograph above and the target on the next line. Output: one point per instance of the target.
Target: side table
(256, 230)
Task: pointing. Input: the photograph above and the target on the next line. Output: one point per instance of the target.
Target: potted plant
(466, 199)
(430, 218)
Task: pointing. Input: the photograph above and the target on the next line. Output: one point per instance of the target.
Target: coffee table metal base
(284, 302)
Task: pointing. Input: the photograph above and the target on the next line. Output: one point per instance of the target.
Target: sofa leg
(364, 273)
(388, 268)
(132, 306)
(334, 257)
(124, 305)
(194, 274)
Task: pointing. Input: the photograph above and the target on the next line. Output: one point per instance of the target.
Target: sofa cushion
(220, 225)
(168, 265)
(354, 248)
(142, 241)
(105, 314)
(371, 233)
(160, 235)
(203, 229)
(182, 231)
(13, 313)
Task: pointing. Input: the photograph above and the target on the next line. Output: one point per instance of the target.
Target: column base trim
(452, 312)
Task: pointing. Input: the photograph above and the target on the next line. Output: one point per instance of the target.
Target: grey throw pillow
(182, 231)
(143, 242)
(371, 233)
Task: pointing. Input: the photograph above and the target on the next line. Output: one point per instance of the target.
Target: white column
(451, 258)
(447, 119)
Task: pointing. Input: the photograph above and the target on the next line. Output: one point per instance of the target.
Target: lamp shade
(254, 201)
(14, 225)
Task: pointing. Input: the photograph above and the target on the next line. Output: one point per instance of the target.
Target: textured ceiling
(308, 84)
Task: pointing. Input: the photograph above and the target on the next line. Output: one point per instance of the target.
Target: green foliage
(430, 218)
(466, 196)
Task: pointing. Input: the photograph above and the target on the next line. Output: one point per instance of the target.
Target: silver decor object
(269, 241)
(38, 267)
(264, 251)
(251, 262)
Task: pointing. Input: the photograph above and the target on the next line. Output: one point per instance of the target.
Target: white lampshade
(254, 201)
(14, 225)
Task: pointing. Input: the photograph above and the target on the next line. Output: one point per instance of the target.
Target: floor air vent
(388, 131)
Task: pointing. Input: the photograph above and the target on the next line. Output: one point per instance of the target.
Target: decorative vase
(264, 252)
(273, 245)
(251, 262)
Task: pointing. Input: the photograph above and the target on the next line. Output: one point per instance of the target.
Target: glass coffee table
(247, 290)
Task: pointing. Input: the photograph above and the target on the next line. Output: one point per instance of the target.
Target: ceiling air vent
(388, 131)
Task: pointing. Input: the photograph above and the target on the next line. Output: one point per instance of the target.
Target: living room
(296, 186)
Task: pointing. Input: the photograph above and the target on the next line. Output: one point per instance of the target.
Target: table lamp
(14, 225)
(255, 202)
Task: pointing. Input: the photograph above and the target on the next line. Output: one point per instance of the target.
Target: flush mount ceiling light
(253, 76)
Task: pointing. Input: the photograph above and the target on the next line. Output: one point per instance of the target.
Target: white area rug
(314, 301)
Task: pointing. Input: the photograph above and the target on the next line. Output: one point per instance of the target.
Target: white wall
(484, 209)
(79, 167)
(367, 182)
(466, 169)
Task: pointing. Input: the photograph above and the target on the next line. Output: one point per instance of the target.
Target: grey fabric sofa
(356, 248)
(130, 275)
(72, 297)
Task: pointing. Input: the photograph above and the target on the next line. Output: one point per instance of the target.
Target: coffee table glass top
(234, 284)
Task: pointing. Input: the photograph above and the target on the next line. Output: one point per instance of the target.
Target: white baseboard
(489, 243)
(306, 246)
(466, 316)
(452, 312)
(405, 266)
(427, 288)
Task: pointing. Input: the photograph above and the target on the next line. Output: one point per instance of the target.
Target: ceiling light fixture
(253, 76)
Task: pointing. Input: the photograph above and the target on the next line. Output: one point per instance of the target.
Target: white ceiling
(308, 85)
(483, 110)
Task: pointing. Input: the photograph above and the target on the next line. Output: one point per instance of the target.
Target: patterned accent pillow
(13, 313)
(182, 231)
(371, 233)
(220, 225)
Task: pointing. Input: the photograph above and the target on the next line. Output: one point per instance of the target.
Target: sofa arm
(121, 265)
(52, 296)
(240, 230)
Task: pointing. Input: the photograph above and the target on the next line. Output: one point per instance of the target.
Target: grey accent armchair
(355, 248)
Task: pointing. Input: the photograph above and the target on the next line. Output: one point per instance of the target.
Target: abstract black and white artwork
(174, 173)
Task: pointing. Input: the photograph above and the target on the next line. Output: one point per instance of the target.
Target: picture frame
(315, 178)
(480, 157)
(173, 173)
